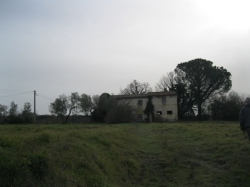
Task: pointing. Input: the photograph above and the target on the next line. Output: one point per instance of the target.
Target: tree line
(12, 115)
(103, 108)
(202, 90)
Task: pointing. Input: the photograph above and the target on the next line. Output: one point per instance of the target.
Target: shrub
(226, 107)
(120, 113)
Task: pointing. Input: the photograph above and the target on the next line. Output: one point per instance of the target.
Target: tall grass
(167, 154)
(66, 155)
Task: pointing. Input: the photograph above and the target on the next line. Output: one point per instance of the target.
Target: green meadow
(124, 155)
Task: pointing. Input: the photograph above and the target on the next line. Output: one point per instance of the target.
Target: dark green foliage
(26, 115)
(13, 114)
(201, 79)
(86, 104)
(149, 110)
(121, 112)
(109, 110)
(59, 106)
(104, 105)
(13, 111)
(226, 107)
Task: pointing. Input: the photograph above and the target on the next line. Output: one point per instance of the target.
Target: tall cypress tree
(149, 110)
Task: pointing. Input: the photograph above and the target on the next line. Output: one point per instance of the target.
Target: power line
(4, 90)
(22, 93)
(44, 97)
(16, 94)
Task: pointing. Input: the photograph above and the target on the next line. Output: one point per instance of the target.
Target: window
(169, 112)
(163, 100)
(139, 103)
(159, 112)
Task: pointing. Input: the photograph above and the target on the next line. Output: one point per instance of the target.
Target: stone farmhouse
(165, 104)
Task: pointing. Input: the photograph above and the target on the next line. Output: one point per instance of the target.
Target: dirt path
(151, 157)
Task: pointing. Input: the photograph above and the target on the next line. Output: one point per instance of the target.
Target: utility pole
(34, 106)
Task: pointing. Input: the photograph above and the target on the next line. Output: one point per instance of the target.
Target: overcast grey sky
(95, 46)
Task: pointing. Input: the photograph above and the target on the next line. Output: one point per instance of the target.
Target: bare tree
(166, 82)
(175, 81)
(136, 87)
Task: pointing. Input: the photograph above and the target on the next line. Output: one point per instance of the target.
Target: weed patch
(39, 166)
(158, 155)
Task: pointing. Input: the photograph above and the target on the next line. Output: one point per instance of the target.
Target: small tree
(226, 106)
(3, 113)
(86, 104)
(104, 105)
(13, 113)
(149, 110)
(74, 99)
(26, 114)
(59, 106)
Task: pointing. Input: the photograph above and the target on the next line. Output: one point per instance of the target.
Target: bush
(120, 113)
(11, 119)
(27, 118)
(226, 107)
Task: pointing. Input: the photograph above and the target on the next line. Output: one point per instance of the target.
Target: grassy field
(161, 155)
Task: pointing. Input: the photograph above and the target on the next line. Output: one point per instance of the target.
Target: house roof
(166, 93)
(153, 94)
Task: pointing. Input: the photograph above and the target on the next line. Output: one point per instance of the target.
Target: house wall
(139, 108)
(165, 105)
